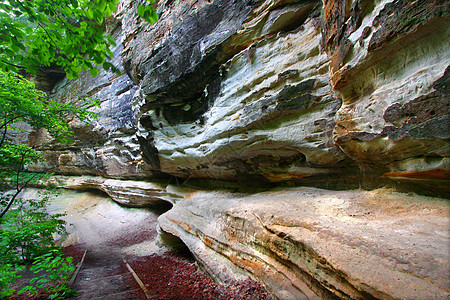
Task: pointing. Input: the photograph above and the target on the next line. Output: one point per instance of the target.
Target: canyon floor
(392, 243)
(113, 236)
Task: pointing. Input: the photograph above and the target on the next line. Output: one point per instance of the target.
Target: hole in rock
(159, 207)
(176, 244)
(96, 193)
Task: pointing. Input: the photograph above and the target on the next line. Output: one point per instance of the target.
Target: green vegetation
(27, 231)
(35, 36)
(69, 34)
(26, 236)
(21, 103)
(54, 273)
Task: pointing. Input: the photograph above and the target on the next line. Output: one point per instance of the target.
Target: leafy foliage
(53, 275)
(147, 12)
(21, 103)
(27, 231)
(26, 235)
(64, 33)
(37, 34)
(8, 274)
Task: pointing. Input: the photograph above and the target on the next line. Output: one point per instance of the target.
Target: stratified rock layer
(390, 67)
(126, 192)
(308, 243)
(332, 94)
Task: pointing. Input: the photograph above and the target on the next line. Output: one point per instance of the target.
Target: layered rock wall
(332, 94)
(308, 243)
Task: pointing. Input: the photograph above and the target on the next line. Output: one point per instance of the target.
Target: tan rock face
(390, 66)
(332, 94)
(125, 192)
(308, 243)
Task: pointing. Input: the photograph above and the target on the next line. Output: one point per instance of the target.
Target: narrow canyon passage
(112, 234)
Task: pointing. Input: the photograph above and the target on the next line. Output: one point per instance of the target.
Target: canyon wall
(331, 94)
(335, 95)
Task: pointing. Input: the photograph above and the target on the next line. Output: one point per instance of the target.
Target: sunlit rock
(308, 243)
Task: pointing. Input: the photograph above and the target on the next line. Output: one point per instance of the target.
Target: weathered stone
(393, 107)
(235, 90)
(309, 243)
(336, 94)
(250, 118)
(126, 192)
(108, 145)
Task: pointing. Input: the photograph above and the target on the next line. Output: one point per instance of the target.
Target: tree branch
(10, 203)
(14, 65)
(18, 191)
(3, 136)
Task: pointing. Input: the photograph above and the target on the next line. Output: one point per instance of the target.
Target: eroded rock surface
(332, 94)
(129, 193)
(390, 67)
(313, 243)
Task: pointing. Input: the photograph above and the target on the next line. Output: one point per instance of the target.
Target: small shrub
(27, 231)
(26, 236)
(8, 274)
(53, 275)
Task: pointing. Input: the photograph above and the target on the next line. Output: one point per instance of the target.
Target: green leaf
(94, 72)
(111, 40)
(112, 6)
(89, 14)
(102, 5)
(67, 11)
(71, 75)
(106, 66)
(53, 40)
(141, 10)
(108, 12)
(5, 7)
(148, 13)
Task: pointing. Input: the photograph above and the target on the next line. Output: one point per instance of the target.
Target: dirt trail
(106, 277)
(111, 233)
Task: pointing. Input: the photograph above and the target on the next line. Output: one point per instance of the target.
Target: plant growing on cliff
(148, 12)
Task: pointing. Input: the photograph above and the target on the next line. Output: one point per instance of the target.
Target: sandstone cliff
(330, 94)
